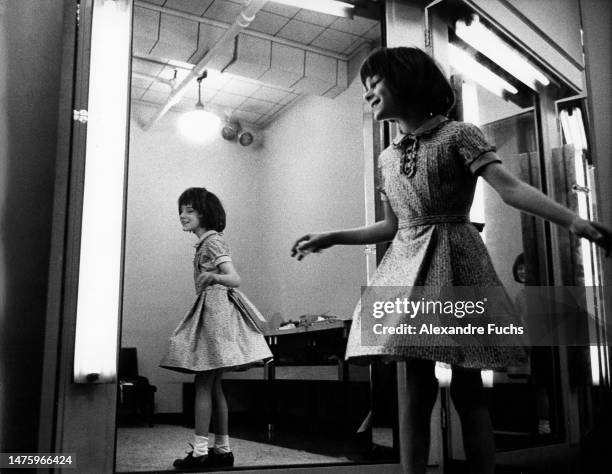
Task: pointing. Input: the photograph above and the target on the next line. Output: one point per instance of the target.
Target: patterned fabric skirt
(440, 255)
(213, 335)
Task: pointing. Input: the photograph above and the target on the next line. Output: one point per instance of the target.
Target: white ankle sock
(200, 446)
(222, 444)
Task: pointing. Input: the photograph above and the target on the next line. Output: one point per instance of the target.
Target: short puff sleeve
(218, 250)
(472, 148)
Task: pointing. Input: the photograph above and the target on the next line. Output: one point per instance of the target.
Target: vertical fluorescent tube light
(492, 46)
(331, 7)
(471, 68)
(99, 290)
(573, 128)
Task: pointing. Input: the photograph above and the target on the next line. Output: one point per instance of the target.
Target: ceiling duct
(246, 16)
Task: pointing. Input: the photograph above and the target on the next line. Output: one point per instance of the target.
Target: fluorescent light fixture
(595, 353)
(331, 7)
(99, 281)
(471, 68)
(492, 46)
(573, 128)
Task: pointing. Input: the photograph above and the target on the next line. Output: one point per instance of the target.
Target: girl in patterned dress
(428, 178)
(214, 335)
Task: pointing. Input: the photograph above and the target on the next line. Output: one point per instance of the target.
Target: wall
(31, 58)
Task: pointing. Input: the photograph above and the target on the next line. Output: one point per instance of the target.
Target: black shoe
(221, 459)
(191, 462)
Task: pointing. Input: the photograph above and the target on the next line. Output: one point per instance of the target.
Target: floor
(155, 448)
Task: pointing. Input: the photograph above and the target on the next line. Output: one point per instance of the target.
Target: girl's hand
(310, 243)
(206, 279)
(593, 231)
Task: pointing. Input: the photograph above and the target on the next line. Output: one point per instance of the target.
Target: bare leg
(220, 411)
(203, 401)
(422, 387)
(468, 398)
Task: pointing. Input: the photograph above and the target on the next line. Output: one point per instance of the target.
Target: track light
(233, 130)
(245, 138)
(230, 130)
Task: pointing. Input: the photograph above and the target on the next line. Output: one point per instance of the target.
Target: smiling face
(190, 219)
(380, 99)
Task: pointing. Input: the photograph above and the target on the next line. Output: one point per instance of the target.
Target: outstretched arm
(524, 197)
(381, 231)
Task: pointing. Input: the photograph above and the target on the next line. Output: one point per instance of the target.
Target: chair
(136, 394)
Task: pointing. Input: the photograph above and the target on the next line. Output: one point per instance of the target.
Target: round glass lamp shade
(199, 125)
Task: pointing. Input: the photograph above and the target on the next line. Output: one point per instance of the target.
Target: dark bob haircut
(207, 205)
(413, 77)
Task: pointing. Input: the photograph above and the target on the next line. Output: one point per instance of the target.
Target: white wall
(308, 176)
(313, 179)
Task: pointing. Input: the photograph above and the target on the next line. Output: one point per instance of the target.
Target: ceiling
(285, 52)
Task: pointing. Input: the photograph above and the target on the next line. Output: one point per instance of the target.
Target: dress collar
(204, 236)
(428, 126)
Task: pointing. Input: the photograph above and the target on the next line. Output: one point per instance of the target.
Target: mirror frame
(69, 406)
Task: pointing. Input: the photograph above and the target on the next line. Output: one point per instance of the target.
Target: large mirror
(294, 152)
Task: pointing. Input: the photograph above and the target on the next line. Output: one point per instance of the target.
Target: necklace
(409, 146)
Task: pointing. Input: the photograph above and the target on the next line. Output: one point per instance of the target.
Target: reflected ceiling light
(573, 128)
(199, 125)
(331, 7)
(468, 66)
(492, 46)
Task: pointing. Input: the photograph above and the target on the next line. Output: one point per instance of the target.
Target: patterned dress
(214, 334)
(435, 245)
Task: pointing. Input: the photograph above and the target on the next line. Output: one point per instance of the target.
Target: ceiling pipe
(244, 19)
